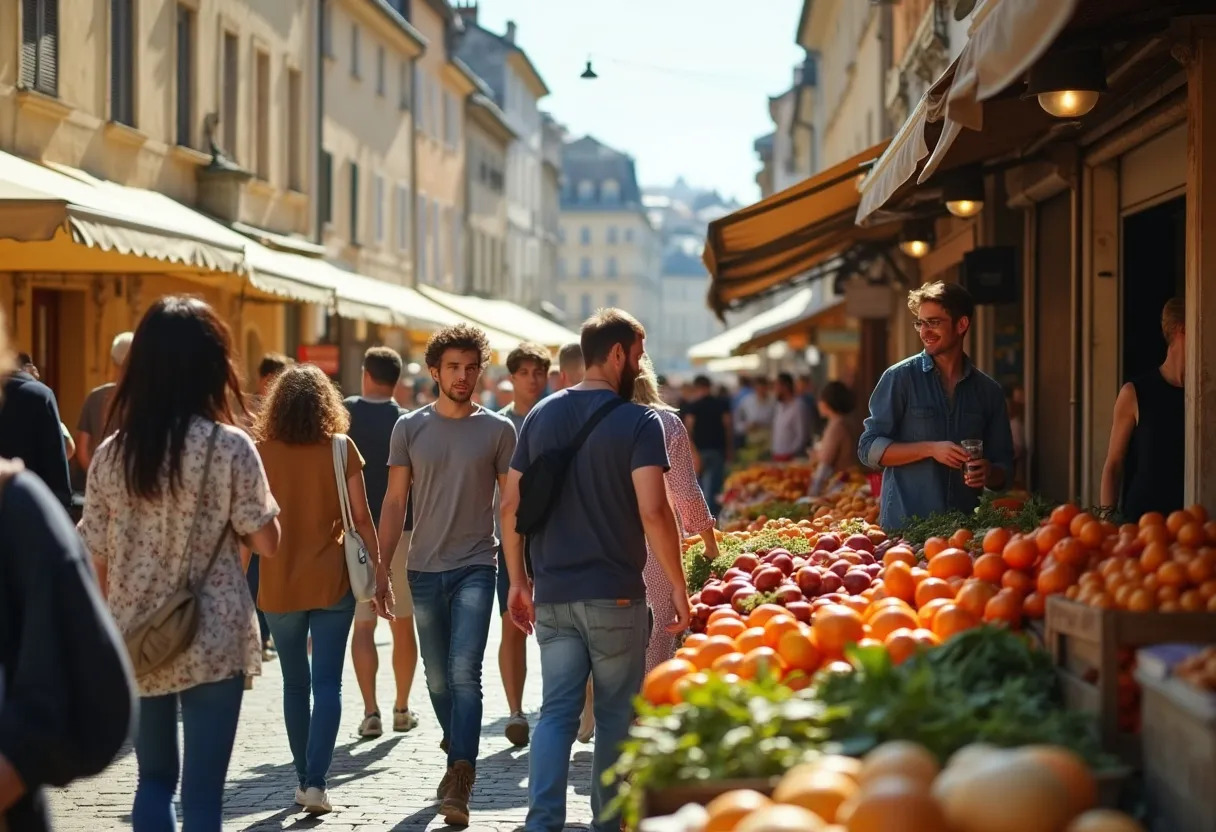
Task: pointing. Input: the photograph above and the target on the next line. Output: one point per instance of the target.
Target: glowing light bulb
(1068, 103)
(914, 248)
(964, 207)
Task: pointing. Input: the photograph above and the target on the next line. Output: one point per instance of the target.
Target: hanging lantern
(916, 240)
(963, 193)
(1068, 83)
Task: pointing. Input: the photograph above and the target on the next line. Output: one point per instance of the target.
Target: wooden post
(1197, 51)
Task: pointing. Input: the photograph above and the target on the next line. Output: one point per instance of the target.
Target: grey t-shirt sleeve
(649, 446)
(506, 448)
(399, 445)
(90, 415)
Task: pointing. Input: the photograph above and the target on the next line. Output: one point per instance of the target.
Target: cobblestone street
(383, 784)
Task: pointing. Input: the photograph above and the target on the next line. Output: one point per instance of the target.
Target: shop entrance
(45, 347)
(1154, 270)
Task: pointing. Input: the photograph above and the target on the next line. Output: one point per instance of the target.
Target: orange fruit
(897, 581)
(924, 616)
(1169, 606)
(750, 638)
(878, 606)
(951, 620)
(926, 637)
(974, 596)
(989, 567)
(1021, 553)
(1153, 556)
(891, 619)
(961, 538)
(1198, 513)
(1092, 534)
(1208, 588)
(1034, 605)
(1192, 601)
(727, 810)
(685, 653)
(1018, 580)
(931, 588)
(1176, 521)
(1004, 608)
(836, 626)
(1047, 537)
(1171, 574)
(1063, 514)
(1211, 607)
(856, 603)
(687, 683)
(901, 645)
(951, 563)
(761, 661)
(1078, 522)
(919, 573)
(1122, 596)
(1055, 579)
(899, 553)
(995, 540)
(729, 627)
(1070, 551)
(658, 688)
(1070, 771)
(934, 545)
(712, 650)
(1209, 531)
(728, 664)
(695, 640)
(798, 651)
(1168, 593)
(1151, 518)
(761, 614)
(1191, 534)
(722, 612)
(1154, 533)
(776, 627)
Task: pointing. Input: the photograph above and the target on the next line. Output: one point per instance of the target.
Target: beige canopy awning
(787, 234)
(1007, 37)
(506, 317)
(725, 344)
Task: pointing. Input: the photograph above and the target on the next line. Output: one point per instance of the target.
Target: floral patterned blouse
(683, 491)
(143, 544)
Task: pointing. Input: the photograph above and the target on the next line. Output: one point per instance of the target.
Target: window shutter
(29, 43)
(326, 186)
(354, 202)
(48, 48)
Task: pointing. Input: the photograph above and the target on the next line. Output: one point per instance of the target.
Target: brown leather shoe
(455, 806)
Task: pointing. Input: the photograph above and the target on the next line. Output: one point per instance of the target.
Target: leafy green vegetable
(987, 515)
(756, 600)
(697, 570)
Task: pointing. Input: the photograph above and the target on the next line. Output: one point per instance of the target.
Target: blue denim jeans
(312, 730)
(713, 475)
(607, 641)
(209, 718)
(453, 610)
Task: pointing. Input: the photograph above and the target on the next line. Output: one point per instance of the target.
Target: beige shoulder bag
(167, 632)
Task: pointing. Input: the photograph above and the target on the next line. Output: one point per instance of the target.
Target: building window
(610, 191)
(586, 191)
(378, 212)
(584, 235)
(325, 188)
(611, 235)
(185, 75)
(610, 268)
(295, 126)
(584, 267)
(381, 83)
(403, 218)
(229, 91)
(437, 269)
(585, 306)
(355, 47)
(261, 162)
(610, 300)
(628, 235)
(451, 120)
(354, 203)
(457, 246)
(422, 242)
(407, 86)
(122, 62)
(40, 45)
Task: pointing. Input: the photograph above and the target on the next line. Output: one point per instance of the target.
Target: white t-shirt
(756, 412)
(789, 428)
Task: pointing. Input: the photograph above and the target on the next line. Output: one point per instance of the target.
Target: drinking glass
(974, 449)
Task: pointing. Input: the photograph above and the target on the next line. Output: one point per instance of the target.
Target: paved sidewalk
(383, 784)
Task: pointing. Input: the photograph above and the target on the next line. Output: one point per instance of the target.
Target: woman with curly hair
(305, 591)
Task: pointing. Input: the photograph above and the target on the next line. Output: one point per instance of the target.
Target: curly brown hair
(302, 407)
(463, 337)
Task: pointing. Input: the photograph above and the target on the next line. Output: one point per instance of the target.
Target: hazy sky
(683, 84)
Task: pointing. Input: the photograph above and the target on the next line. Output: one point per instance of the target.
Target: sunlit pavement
(383, 784)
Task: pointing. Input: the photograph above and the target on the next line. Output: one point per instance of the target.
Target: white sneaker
(517, 729)
(371, 726)
(316, 802)
(404, 721)
(299, 796)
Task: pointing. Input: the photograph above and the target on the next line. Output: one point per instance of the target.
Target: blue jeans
(209, 718)
(312, 731)
(452, 610)
(607, 641)
(713, 475)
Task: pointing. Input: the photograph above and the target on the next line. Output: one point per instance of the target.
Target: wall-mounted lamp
(963, 193)
(1068, 83)
(916, 240)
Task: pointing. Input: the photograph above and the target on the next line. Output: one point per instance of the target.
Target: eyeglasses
(931, 323)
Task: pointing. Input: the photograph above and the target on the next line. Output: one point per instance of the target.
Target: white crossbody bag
(358, 563)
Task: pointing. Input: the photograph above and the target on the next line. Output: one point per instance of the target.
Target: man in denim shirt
(924, 406)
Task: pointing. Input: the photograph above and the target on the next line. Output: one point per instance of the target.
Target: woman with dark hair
(170, 495)
(837, 450)
(306, 591)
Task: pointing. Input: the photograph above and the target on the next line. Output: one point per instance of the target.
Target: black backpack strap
(595, 419)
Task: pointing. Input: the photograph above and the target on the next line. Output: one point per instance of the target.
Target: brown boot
(455, 806)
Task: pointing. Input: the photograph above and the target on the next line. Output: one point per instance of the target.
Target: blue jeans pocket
(612, 627)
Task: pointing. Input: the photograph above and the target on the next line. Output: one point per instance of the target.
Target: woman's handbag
(358, 563)
(167, 632)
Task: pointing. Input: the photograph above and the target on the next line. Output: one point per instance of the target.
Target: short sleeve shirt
(147, 549)
(593, 546)
(309, 570)
(454, 466)
(93, 413)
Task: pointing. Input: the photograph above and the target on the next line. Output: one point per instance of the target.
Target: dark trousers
(252, 577)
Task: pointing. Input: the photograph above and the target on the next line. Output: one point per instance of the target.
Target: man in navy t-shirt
(588, 603)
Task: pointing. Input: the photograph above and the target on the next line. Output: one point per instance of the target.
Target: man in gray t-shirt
(454, 454)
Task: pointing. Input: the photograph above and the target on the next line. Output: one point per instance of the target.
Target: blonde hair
(646, 387)
(1173, 318)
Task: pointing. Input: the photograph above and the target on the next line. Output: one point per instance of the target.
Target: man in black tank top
(1148, 422)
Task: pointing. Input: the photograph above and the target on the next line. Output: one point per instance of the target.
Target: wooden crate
(1085, 641)
(1179, 755)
